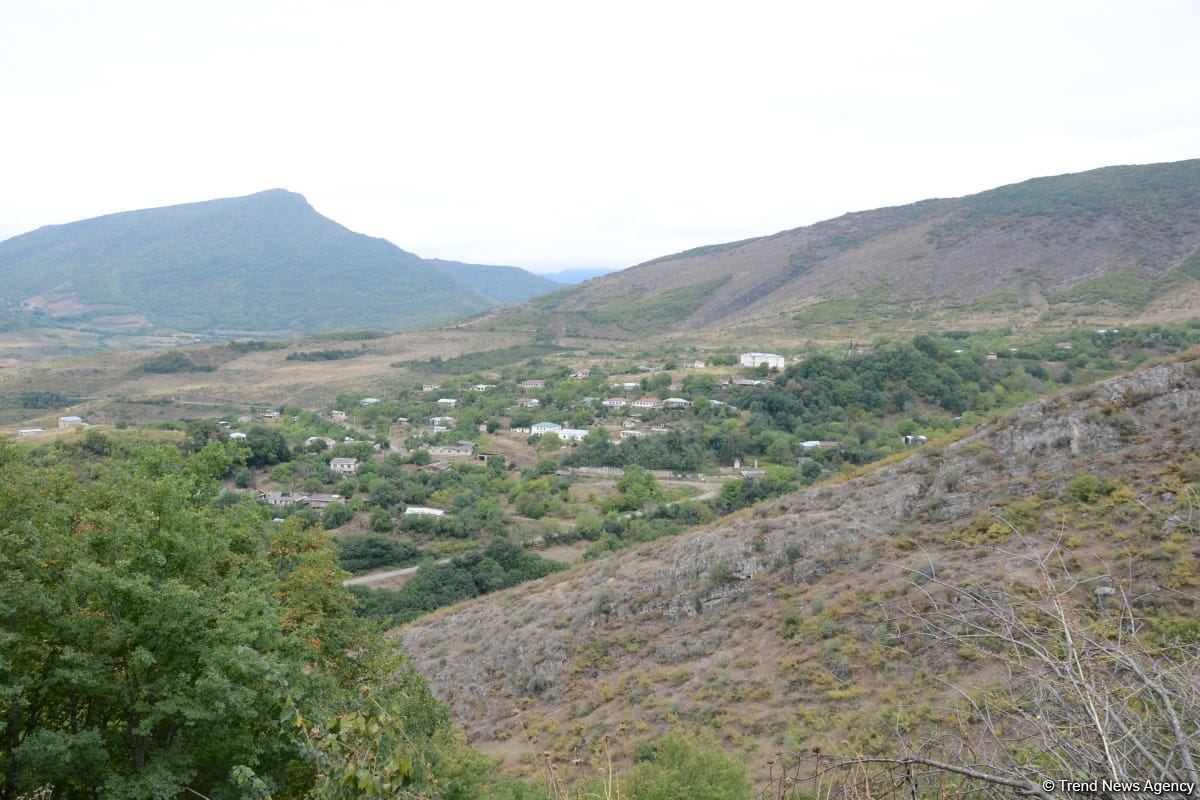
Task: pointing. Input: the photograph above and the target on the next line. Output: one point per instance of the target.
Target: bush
(336, 515)
(365, 551)
(687, 768)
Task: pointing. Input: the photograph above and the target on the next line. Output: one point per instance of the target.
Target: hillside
(1124, 239)
(782, 628)
(265, 263)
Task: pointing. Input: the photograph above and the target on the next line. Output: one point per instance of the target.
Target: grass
(653, 313)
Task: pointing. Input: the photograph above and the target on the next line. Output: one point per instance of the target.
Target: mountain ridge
(266, 262)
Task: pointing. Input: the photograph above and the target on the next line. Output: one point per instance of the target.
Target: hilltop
(776, 628)
(266, 263)
(1122, 240)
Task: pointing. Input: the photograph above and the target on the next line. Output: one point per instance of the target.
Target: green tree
(687, 768)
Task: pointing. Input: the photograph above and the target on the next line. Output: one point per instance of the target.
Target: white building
(772, 360)
(238, 435)
(647, 402)
(369, 401)
(572, 434)
(535, 383)
(344, 466)
(23, 432)
(70, 422)
(447, 402)
(540, 428)
(529, 402)
(424, 510)
(615, 402)
(676, 402)
(338, 416)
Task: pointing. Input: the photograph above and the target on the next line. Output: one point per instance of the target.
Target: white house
(369, 401)
(482, 387)
(750, 382)
(461, 450)
(280, 499)
(447, 402)
(23, 432)
(338, 416)
(572, 434)
(540, 428)
(328, 442)
(529, 402)
(424, 510)
(582, 372)
(430, 387)
(438, 422)
(237, 435)
(771, 360)
(615, 402)
(70, 422)
(695, 363)
(344, 466)
(676, 402)
(534, 383)
(319, 502)
(647, 402)
(630, 433)
(270, 415)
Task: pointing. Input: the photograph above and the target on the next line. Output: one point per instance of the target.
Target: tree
(687, 768)
(335, 515)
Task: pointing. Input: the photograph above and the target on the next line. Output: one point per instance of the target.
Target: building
(319, 502)
(344, 466)
(572, 434)
(281, 499)
(770, 360)
(70, 422)
(440, 422)
(437, 466)
(581, 373)
(369, 401)
(533, 383)
(540, 428)
(914, 439)
(615, 402)
(270, 415)
(424, 511)
(991, 356)
(1064, 345)
(459, 450)
(325, 439)
(447, 402)
(430, 387)
(647, 402)
(24, 432)
(482, 387)
(338, 416)
(529, 402)
(238, 435)
(749, 382)
(676, 402)
(630, 433)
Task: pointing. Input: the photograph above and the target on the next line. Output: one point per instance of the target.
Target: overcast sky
(560, 134)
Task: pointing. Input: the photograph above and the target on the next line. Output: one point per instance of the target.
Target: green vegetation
(171, 361)
(361, 552)
(324, 355)
(499, 565)
(639, 314)
(38, 400)
(488, 359)
(1123, 287)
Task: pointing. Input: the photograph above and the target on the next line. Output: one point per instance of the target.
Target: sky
(560, 135)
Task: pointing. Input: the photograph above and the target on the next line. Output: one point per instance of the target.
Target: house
(443, 422)
(1063, 345)
(328, 442)
(338, 416)
(70, 422)
(629, 386)
(401, 420)
(281, 499)
(237, 435)
(459, 450)
(424, 511)
(676, 402)
(914, 439)
(529, 402)
(991, 356)
(572, 434)
(581, 373)
(24, 432)
(629, 433)
(270, 415)
(647, 402)
(534, 383)
(447, 402)
(770, 360)
(591, 401)
(437, 466)
(632, 422)
(749, 382)
(344, 466)
(430, 387)
(369, 401)
(615, 402)
(482, 387)
(319, 502)
(649, 368)
(224, 423)
(695, 363)
(540, 428)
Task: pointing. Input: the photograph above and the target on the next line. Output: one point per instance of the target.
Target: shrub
(367, 550)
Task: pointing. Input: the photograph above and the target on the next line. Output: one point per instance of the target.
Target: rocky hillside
(267, 263)
(1122, 238)
(777, 628)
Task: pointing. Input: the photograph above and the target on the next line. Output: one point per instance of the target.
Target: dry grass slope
(774, 629)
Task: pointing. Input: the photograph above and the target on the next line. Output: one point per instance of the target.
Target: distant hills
(267, 263)
(1123, 238)
(580, 275)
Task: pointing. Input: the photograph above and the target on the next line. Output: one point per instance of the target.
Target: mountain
(266, 263)
(805, 622)
(1124, 238)
(569, 276)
